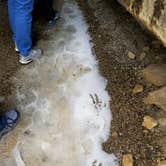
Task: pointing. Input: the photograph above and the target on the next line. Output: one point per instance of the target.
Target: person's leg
(23, 25)
(11, 13)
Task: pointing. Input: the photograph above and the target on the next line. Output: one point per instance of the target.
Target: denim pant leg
(11, 13)
(23, 25)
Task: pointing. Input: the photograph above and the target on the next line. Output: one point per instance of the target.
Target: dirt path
(8, 59)
(115, 33)
(65, 113)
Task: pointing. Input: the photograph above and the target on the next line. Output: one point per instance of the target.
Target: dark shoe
(53, 21)
(8, 121)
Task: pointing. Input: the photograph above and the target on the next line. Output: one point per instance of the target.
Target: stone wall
(152, 13)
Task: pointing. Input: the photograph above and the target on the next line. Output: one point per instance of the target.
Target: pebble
(146, 49)
(162, 122)
(149, 122)
(127, 160)
(114, 134)
(145, 131)
(131, 55)
(138, 89)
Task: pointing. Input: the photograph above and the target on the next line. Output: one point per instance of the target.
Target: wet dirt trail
(65, 113)
(66, 105)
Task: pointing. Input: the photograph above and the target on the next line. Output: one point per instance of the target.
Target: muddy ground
(114, 32)
(8, 59)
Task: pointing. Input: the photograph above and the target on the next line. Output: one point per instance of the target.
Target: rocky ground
(126, 55)
(124, 50)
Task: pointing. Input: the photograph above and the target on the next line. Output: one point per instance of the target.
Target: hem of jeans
(25, 54)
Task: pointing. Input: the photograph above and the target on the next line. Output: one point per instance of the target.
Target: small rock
(157, 97)
(142, 56)
(155, 74)
(114, 134)
(127, 160)
(146, 49)
(149, 122)
(162, 163)
(162, 122)
(138, 89)
(131, 55)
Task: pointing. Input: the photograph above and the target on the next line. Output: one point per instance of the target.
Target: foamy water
(64, 96)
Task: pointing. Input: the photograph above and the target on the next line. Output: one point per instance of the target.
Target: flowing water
(65, 107)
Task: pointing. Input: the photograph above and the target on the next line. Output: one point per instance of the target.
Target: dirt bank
(115, 33)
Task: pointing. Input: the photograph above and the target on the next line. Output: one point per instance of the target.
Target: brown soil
(8, 59)
(115, 32)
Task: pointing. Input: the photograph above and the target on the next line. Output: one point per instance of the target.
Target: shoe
(33, 54)
(16, 48)
(52, 22)
(8, 121)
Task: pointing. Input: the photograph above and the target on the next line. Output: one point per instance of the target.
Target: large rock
(157, 97)
(151, 13)
(155, 74)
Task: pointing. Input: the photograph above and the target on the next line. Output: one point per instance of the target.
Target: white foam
(66, 96)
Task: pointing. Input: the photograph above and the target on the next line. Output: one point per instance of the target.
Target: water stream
(63, 101)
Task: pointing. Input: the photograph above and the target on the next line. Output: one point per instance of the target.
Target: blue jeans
(20, 19)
